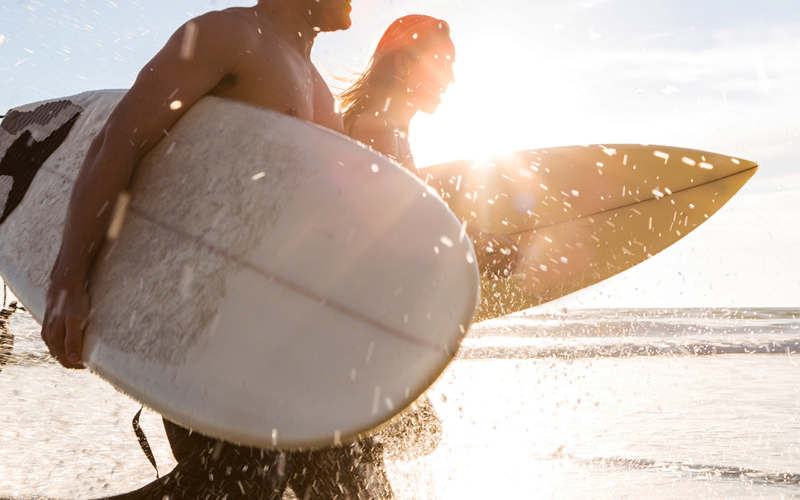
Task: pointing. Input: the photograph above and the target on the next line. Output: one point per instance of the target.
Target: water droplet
(661, 154)
(189, 41)
(376, 399)
(369, 352)
(118, 217)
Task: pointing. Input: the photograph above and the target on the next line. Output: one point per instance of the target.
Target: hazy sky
(705, 74)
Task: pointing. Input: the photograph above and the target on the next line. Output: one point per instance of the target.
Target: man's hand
(497, 254)
(64, 321)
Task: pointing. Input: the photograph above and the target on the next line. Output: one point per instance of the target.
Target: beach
(598, 402)
(664, 404)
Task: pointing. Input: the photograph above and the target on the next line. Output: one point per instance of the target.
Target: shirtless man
(258, 55)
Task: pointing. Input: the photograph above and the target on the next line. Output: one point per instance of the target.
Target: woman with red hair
(410, 69)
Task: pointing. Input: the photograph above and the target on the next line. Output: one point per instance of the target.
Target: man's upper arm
(190, 65)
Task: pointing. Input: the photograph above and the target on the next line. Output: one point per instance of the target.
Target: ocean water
(569, 404)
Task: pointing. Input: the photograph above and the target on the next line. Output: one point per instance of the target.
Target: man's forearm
(100, 181)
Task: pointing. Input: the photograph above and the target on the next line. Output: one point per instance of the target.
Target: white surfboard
(582, 214)
(273, 284)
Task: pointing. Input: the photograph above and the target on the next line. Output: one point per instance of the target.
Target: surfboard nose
(745, 165)
(748, 167)
(735, 165)
(713, 165)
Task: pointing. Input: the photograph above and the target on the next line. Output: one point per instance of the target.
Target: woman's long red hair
(409, 34)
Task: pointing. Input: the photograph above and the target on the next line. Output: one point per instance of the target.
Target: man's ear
(402, 63)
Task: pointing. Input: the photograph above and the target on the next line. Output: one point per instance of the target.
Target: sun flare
(496, 105)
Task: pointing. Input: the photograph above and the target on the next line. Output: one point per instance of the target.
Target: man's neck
(284, 19)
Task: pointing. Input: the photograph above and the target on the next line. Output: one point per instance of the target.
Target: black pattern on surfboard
(23, 159)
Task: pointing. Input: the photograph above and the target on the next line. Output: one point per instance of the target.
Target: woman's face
(429, 74)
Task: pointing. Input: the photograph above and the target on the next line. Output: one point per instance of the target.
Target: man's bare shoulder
(226, 26)
(235, 32)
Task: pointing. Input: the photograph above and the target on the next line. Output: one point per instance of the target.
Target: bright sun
(498, 104)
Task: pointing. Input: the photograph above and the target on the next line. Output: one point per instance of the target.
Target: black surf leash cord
(148, 452)
(137, 429)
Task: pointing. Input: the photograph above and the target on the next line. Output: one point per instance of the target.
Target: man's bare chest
(281, 83)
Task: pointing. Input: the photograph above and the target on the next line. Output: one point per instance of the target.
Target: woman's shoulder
(373, 129)
(373, 121)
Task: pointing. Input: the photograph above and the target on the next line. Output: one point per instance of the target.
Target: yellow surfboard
(581, 214)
